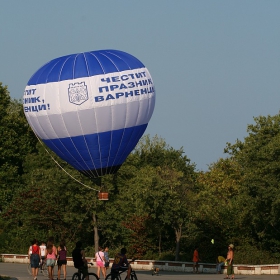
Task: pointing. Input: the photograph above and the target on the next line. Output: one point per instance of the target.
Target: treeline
(159, 207)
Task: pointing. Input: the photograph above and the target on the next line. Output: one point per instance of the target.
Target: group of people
(221, 261)
(50, 254)
(102, 261)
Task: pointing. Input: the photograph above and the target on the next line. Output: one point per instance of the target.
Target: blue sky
(215, 64)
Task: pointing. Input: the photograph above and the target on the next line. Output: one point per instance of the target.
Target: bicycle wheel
(44, 269)
(92, 276)
(76, 276)
(29, 269)
(132, 276)
(113, 277)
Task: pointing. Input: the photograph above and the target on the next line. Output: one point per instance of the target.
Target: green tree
(167, 178)
(50, 204)
(259, 159)
(16, 141)
(220, 198)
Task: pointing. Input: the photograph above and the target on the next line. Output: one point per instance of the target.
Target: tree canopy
(160, 206)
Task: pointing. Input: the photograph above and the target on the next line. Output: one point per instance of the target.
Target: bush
(150, 256)
(167, 256)
(248, 254)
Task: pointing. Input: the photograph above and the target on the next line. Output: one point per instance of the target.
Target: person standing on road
(100, 262)
(61, 259)
(35, 258)
(196, 259)
(43, 253)
(30, 251)
(230, 255)
(51, 257)
(107, 259)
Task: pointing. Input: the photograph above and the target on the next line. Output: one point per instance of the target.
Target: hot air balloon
(91, 108)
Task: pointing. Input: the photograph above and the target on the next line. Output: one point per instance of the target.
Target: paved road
(19, 271)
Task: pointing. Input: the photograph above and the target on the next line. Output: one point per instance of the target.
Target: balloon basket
(103, 196)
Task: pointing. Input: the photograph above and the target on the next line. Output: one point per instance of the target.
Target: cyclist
(79, 259)
(121, 264)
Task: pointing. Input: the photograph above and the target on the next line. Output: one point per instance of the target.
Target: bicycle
(79, 275)
(43, 268)
(117, 274)
(155, 271)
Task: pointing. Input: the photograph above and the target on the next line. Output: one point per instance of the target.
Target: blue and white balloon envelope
(91, 108)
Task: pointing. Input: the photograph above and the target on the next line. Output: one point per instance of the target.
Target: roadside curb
(150, 265)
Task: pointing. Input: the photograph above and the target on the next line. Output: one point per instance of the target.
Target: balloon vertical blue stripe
(74, 150)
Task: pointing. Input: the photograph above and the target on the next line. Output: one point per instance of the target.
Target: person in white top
(30, 251)
(43, 248)
(100, 262)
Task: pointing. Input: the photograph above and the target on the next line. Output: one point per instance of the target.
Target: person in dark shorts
(35, 258)
(121, 264)
(61, 259)
(79, 259)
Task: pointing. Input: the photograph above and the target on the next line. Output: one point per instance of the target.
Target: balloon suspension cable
(86, 186)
